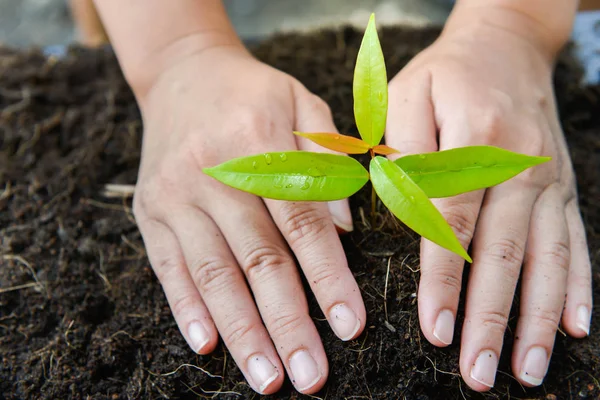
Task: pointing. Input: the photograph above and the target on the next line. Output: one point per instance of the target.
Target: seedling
(404, 186)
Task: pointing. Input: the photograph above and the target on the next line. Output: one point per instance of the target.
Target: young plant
(404, 185)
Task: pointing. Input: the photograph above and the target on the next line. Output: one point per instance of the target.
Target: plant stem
(373, 195)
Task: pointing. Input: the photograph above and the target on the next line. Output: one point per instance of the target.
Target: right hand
(204, 239)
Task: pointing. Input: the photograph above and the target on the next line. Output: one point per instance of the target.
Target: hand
(205, 239)
(479, 84)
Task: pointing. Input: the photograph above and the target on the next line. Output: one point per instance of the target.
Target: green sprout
(404, 186)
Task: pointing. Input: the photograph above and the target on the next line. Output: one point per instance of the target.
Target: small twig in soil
(6, 192)
(112, 190)
(107, 206)
(214, 393)
(17, 107)
(387, 275)
(436, 370)
(18, 287)
(25, 263)
(587, 373)
(67, 333)
(186, 365)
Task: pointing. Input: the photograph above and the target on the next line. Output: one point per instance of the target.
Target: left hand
(476, 85)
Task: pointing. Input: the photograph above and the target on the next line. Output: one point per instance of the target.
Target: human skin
(205, 100)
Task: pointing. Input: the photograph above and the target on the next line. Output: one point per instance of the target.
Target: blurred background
(25, 23)
(48, 22)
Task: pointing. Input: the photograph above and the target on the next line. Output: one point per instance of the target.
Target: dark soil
(81, 313)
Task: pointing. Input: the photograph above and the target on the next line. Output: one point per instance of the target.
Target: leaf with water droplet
(370, 87)
(283, 157)
(451, 172)
(305, 176)
(410, 204)
(335, 141)
(268, 158)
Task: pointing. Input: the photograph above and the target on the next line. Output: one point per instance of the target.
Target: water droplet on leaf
(283, 157)
(268, 159)
(380, 96)
(336, 137)
(247, 179)
(314, 172)
(289, 185)
(412, 199)
(254, 165)
(305, 185)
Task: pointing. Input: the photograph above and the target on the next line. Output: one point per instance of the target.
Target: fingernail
(304, 370)
(340, 214)
(484, 369)
(198, 336)
(583, 319)
(535, 366)
(343, 321)
(444, 327)
(262, 371)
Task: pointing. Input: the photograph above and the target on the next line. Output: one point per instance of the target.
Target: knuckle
(303, 221)
(462, 222)
(262, 258)
(238, 329)
(490, 123)
(210, 272)
(507, 253)
(182, 303)
(443, 279)
(283, 325)
(493, 320)
(557, 254)
(323, 275)
(252, 124)
(166, 266)
(318, 105)
(544, 318)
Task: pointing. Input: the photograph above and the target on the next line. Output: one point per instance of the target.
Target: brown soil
(81, 313)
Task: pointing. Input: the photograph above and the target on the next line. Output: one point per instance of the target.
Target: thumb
(314, 115)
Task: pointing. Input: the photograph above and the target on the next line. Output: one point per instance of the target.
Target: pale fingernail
(304, 369)
(583, 319)
(444, 327)
(198, 336)
(340, 214)
(343, 321)
(262, 371)
(535, 366)
(484, 369)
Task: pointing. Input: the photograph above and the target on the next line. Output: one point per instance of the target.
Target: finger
(498, 250)
(543, 288)
(441, 270)
(314, 115)
(275, 282)
(411, 126)
(577, 313)
(223, 288)
(189, 310)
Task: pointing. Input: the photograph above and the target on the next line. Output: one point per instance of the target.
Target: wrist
(546, 31)
(142, 74)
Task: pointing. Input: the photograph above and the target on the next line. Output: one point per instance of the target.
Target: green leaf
(410, 204)
(293, 175)
(370, 87)
(451, 172)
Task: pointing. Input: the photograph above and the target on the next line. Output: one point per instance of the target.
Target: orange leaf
(384, 150)
(335, 141)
